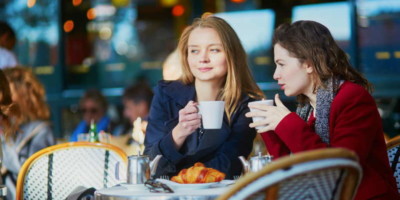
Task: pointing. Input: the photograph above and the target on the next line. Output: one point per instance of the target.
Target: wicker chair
(332, 173)
(54, 172)
(393, 150)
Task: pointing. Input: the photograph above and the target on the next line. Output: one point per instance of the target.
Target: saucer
(179, 186)
(136, 187)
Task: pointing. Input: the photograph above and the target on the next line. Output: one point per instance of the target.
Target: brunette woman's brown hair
(29, 95)
(238, 79)
(312, 42)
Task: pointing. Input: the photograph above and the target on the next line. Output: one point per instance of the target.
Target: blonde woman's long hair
(29, 95)
(239, 79)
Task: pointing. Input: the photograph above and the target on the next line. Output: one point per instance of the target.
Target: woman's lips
(205, 69)
(282, 86)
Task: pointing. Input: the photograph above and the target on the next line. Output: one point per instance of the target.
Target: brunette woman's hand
(272, 115)
(189, 121)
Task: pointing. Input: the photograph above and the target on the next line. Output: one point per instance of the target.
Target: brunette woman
(335, 106)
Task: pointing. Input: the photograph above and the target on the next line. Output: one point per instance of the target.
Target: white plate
(179, 186)
(136, 187)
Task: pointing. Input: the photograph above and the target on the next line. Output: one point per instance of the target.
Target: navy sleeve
(158, 138)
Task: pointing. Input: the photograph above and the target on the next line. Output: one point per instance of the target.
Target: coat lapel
(180, 93)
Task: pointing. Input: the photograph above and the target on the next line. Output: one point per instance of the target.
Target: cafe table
(181, 192)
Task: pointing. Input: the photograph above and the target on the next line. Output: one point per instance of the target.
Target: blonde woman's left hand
(272, 115)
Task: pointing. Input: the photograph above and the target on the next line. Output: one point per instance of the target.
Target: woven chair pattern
(317, 180)
(392, 156)
(316, 185)
(33, 181)
(69, 168)
(331, 173)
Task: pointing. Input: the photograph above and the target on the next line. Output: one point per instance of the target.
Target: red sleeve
(274, 145)
(297, 134)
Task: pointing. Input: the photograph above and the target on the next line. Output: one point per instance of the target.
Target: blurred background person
(33, 131)
(136, 100)
(7, 110)
(93, 106)
(7, 43)
(172, 67)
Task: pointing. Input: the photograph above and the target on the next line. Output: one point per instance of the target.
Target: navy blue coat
(218, 149)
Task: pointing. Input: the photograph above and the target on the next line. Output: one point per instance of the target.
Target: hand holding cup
(266, 116)
(189, 119)
(257, 108)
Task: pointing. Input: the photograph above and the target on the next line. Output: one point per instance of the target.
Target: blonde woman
(33, 132)
(214, 68)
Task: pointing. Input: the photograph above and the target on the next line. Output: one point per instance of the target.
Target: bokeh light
(68, 26)
(120, 3)
(168, 3)
(91, 14)
(76, 2)
(238, 1)
(105, 33)
(178, 10)
(30, 3)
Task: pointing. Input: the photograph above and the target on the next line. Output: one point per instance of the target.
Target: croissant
(198, 174)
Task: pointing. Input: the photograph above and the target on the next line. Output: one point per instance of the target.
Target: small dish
(179, 186)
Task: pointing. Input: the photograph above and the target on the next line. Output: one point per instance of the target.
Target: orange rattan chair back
(54, 172)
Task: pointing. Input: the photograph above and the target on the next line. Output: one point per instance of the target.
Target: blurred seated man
(7, 43)
(136, 100)
(93, 106)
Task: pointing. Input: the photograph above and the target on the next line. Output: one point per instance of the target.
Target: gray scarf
(324, 100)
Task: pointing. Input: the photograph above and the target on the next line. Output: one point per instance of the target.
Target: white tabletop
(130, 192)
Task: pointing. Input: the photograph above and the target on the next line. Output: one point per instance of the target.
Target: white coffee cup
(212, 113)
(256, 119)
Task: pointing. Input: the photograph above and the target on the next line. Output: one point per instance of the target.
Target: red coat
(354, 124)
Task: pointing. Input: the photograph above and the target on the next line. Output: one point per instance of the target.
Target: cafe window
(255, 29)
(110, 44)
(36, 26)
(335, 16)
(379, 30)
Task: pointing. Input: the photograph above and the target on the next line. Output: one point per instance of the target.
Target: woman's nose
(204, 57)
(276, 75)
